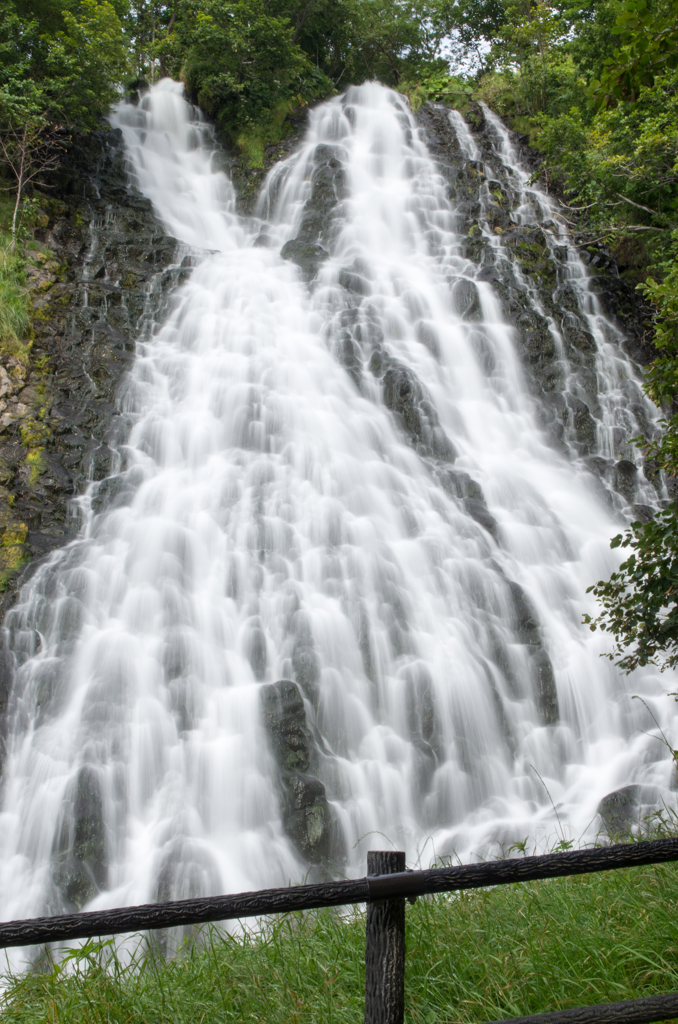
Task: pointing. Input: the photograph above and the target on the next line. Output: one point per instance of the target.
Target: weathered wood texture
(333, 894)
(180, 912)
(385, 947)
(629, 1011)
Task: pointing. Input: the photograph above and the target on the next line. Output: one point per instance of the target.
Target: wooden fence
(384, 889)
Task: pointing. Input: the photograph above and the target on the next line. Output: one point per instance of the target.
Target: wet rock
(625, 478)
(619, 811)
(256, 649)
(421, 711)
(427, 335)
(99, 254)
(547, 696)
(531, 274)
(306, 814)
(584, 424)
(405, 396)
(187, 871)
(306, 254)
(304, 657)
(643, 513)
(327, 188)
(526, 624)
(7, 667)
(460, 484)
(479, 511)
(353, 282)
(528, 632)
(80, 865)
(350, 357)
(465, 299)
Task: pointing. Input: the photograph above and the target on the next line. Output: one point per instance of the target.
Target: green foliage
(13, 554)
(392, 40)
(649, 47)
(640, 600)
(625, 161)
(470, 26)
(662, 378)
(241, 61)
(244, 59)
(482, 955)
(437, 87)
(15, 324)
(60, 60)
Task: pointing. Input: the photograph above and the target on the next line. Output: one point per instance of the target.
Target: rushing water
(272, 518)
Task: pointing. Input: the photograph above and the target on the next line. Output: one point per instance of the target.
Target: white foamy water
(273, 520)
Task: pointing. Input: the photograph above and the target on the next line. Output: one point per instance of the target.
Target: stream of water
(275, 516)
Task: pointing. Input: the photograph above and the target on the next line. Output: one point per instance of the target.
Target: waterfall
(335, 473)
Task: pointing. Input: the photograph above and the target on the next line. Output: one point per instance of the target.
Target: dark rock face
(528, 632)
(406, 397)
(306, 815)
(309, 248)
(100, 274)
(306, 254)
(79, 857)
(532, 279)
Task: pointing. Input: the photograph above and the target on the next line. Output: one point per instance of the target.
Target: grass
(477, 956)
(15, 321)
(252, 143)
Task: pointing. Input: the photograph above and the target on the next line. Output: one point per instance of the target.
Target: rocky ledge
(98, 272)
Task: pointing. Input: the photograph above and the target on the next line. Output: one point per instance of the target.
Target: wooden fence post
(385, 947)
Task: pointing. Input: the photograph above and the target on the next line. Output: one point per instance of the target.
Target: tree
(395, 39)
(649, 47)
(30, 146)
(69, 56)
(640, 600)
(240, 59)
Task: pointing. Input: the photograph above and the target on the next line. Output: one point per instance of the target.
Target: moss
(13, 554)
(253, 143)
(252, 148)
(33, 433)
(37, 463)
(54, 207)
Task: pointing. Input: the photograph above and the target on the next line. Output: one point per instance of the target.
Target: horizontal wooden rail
(41, 930)
(629, 1011)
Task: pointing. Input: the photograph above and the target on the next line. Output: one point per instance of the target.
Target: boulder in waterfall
(528, 632)
(306, 814)
(625, 478)
(306, 254)
(404, 395)
(584, 424)
(80, 863)
(479, 511)
(622, 811)
(465, 299)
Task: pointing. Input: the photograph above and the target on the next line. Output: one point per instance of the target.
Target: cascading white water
(623, 412)
(272, 520)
